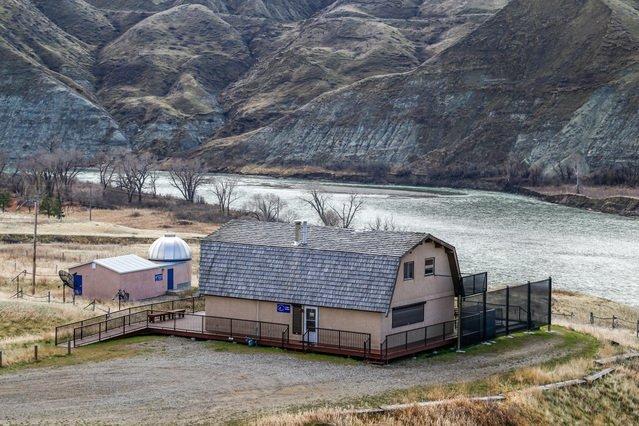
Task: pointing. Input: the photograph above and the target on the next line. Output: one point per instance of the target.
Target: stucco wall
(103, 284)
(437, 291)
(340, 319)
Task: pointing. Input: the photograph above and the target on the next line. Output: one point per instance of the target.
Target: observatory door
(77, 284)
(170, 279)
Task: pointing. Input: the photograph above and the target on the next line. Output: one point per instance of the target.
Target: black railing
(360, 343)
(64, 333)
(503, 311)
(417, 339)
(112, 327)
(473, 284)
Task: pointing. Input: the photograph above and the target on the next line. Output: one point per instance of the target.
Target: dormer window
(429, 266)
(409, 270)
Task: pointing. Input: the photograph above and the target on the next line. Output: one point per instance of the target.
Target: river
(513, 238)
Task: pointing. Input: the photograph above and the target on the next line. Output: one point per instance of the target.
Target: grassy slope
(614, 400)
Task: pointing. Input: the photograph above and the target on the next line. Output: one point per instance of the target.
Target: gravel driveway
(182, 381)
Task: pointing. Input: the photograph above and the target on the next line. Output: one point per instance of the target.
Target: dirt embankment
(621, 205)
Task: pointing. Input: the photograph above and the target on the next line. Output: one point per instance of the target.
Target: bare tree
(225, 190)
(4, 162)
(329, 215)
(143, 167)
(66, 167)
(267, 208)
(187, 176)
(320, 201)
(154, 175)
(106, 164)
(349, 210)
(126, 171)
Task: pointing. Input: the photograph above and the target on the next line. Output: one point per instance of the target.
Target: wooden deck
(195, 326)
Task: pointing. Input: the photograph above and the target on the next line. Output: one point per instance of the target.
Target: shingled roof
(339, 268)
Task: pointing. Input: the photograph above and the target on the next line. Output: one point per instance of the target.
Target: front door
(311, 319)
(77, 284)
(170, 279)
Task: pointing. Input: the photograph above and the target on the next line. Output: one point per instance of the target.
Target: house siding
(333, 318)
(437, 291)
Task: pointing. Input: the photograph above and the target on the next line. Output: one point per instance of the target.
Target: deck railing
(419, 338)
(232, 328)
(358, 343)
(64, 333)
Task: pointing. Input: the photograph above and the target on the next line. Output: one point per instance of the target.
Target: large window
(406, 315)
(429, 266)
(409, 270)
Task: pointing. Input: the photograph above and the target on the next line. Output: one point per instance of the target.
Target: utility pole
(35, 241)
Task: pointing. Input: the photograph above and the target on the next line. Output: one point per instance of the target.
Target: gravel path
(182, 381)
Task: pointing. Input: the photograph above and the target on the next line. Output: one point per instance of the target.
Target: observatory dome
(169, 248)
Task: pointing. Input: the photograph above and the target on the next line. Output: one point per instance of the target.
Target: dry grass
(613, 400)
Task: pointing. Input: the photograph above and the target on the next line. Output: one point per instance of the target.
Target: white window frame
(434, 262)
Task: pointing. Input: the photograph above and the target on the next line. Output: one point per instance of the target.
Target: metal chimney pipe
(305, 230)
(298, 232)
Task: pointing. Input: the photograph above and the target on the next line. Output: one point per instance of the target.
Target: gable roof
(129, 263)
(340, 268)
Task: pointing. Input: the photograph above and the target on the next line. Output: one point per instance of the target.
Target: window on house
(406, 315)
(429, 267)
(409, 270)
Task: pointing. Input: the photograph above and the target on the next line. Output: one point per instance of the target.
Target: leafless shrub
(267, 208)
(386, 224)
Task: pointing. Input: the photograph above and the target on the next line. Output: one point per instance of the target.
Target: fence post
(100, 331)
(69, 347)
(483, 321)
(56, 336)
(193, 304)
(0, 359)
(202, 324)
(549, 303)
(339, 339)
(49, 297)
(614, 320)
(592, 318)
(507, 310)
(35, 352)
(529, 317)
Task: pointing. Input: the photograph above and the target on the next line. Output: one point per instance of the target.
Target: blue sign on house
(159, 277)
(283, 308)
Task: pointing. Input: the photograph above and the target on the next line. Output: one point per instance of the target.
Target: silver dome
(169, 248)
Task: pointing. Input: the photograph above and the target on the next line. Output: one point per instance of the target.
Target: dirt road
(182, 381)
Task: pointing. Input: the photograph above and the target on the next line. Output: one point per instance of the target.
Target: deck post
(507, 310)
(124, 325)
(339, 339)
(549, 302)
(231, 327)
(174, 322)
(100, 330)
(69, 347)
(56, 336)
(193, 304)
(202, 324)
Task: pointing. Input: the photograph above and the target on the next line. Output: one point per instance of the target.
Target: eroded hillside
(426, 88)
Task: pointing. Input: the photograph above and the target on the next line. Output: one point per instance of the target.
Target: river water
(513, 238)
